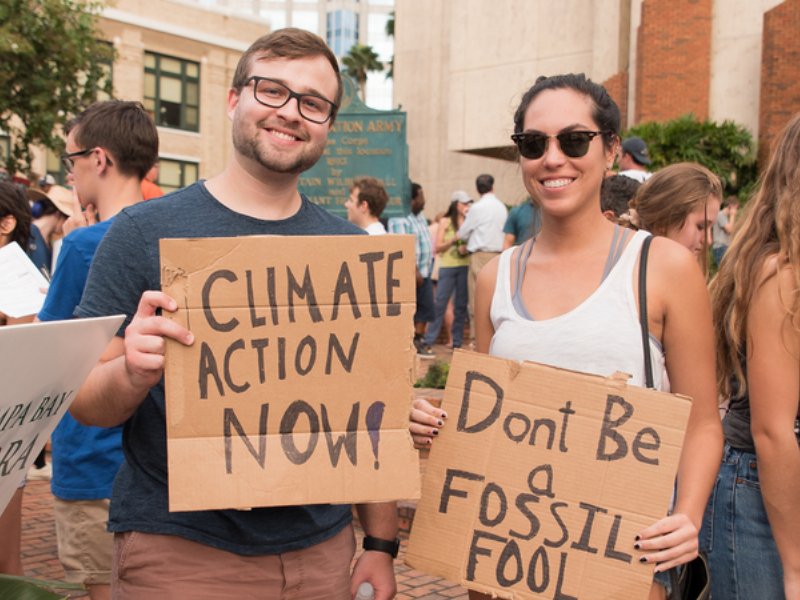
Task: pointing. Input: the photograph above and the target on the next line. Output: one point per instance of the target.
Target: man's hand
(79, 217)
(145, 341)
(378, 569)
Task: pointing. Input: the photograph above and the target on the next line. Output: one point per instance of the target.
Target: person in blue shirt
(110, 146)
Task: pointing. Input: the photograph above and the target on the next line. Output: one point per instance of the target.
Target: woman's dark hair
(452, 214)
(605, 113)
(13, 202)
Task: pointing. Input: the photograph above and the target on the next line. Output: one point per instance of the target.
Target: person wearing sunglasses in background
(567, 297)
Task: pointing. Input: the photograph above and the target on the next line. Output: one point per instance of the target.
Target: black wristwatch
(389, 546)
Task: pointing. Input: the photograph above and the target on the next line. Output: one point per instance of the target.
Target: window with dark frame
(176, 174)
(172, 91)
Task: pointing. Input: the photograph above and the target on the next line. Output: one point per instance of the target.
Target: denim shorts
(736, 535)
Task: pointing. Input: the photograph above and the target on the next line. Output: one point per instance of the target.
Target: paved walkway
(39, 555)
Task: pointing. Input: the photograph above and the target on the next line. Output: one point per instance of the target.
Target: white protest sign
(21, 284)
(43, 366)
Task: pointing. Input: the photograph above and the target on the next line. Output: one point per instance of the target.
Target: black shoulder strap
(648, 366)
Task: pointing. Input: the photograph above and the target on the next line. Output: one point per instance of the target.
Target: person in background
(751, 529)
(15, 223)
(150, 188)
(368, 199)
(482, 231)
(453, 271)
(559, 298)
(680, 202)
(416, 224)
(50, 212)
(523, 222)
(722, 231)
(615, 195)
(109, 148)
(635, 159)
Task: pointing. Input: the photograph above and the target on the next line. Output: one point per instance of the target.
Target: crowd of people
(551, 281)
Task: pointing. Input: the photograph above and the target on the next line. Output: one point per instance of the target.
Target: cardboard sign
(43, 366)
(298, 385)
(542, 478)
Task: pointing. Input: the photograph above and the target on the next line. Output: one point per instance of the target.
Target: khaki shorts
(167, 567)
(84, 544)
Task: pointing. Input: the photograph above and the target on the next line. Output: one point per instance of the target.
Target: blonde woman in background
(751, 530)
(680, 202)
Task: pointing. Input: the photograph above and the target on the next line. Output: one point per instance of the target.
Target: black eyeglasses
(574, 144)
(69, 164)
(275, 95)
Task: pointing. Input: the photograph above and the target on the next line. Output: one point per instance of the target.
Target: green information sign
(363, 141)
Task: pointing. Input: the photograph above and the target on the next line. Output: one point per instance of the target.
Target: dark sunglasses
(573, 144)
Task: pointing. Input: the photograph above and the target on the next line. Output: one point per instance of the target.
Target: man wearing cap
(634, 160)
(110, 146)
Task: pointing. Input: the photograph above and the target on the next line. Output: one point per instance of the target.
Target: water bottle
(365, 591)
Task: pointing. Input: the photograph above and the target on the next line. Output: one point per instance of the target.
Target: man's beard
(251, 147)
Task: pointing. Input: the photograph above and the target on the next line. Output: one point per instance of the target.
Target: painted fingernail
(444, 415)
(637, 546)
(434, 432)
(637, 538)
(440, 422)
(643, 559)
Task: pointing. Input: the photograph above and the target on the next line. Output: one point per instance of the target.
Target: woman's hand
(670, 542)
(426, 420)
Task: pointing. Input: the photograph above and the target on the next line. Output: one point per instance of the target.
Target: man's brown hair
(123, 129)
(371, 191)
(287, 43)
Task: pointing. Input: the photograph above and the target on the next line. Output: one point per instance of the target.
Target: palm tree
(359, 61)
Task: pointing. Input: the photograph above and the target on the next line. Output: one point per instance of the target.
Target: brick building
(460, 70)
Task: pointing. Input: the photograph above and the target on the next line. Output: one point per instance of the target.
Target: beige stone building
(461, 68)
(178, 61)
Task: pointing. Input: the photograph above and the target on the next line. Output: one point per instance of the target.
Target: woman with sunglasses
(568, 298)
(752, 524)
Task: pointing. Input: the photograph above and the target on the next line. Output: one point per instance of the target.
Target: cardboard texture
(298, 385)
(541, 479)
(43, 366)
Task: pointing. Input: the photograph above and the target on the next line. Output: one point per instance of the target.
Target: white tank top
(602, 335)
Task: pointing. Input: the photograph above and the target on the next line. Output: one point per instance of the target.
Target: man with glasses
(282, 103)
(110, 146)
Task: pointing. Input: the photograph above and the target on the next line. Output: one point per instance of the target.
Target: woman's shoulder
(671, 258)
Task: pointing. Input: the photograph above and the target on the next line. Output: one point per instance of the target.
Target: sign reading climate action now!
(297, 387)
(542, 478)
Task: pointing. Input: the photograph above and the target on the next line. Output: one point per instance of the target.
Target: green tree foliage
(359, 61)
(726, 148)
(51, 66)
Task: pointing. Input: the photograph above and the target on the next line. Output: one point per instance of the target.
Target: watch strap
(391, 547)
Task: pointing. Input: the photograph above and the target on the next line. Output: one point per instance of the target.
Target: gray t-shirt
(127, 264)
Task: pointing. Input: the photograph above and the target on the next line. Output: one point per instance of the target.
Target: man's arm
(378, 520)
(119, 383)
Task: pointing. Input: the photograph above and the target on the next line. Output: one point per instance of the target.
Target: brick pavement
(39, 554)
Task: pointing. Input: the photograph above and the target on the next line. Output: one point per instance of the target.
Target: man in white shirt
(482, 229)
(634, 160)
(367, 200)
